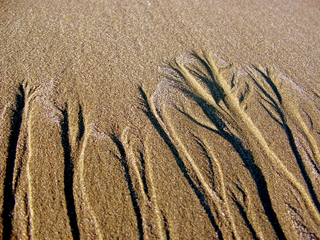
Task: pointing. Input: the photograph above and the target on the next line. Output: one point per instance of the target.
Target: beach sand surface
(159, 119)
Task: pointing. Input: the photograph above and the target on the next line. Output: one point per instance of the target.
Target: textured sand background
(159, 119)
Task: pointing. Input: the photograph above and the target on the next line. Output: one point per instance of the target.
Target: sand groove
(209, 192)
(76, 133)
(227, 216)
(233, 104)
(223, 216)
(202, 149)
(68, 174)
(18, 189)
(220, 128)
(224, 102)
(149, 109)
(139, 175)
(280, 111)
(218, 206)
(8, 195)
(310, 138)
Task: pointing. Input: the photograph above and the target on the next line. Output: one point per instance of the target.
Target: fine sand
(159, 119)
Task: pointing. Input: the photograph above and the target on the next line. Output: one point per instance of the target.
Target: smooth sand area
(159, 119)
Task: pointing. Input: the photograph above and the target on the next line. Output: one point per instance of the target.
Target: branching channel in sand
(224, 103)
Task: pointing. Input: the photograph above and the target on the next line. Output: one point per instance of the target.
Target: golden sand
(159, 119)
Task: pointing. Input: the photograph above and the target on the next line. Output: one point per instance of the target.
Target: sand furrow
(222, 104)
(225, 113)
(140, 178)
(22, 179)
(282, 112)
(8, 193)
(151, 112)
(78, 136)
(69, 174)
(123, 159)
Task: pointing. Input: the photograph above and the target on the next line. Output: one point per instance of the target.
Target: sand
(159, 119)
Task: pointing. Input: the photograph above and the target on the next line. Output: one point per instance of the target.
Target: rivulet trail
(233, 111)
(140, 174)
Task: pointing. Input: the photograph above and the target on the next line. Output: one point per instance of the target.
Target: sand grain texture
(159, 119)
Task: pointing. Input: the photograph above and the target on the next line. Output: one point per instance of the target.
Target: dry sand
(159, 119)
